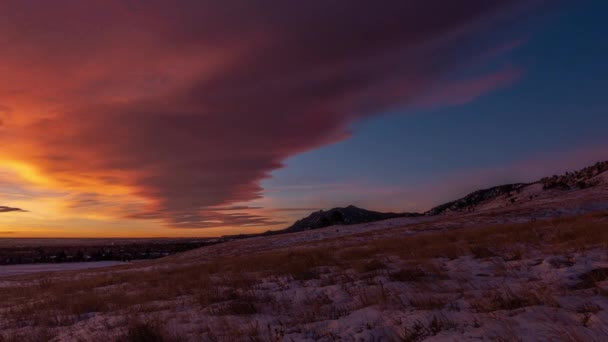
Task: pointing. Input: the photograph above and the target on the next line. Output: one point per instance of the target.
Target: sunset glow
(151, 118)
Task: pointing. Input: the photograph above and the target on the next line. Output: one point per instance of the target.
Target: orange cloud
(161, 111)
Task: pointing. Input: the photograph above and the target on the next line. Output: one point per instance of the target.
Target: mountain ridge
(508, 194)
(576, 180)
(342, 215)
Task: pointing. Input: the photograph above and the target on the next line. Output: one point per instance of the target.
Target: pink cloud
(193, 103)
(464, 91)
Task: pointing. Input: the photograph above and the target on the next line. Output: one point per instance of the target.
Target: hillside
(528, 194)
(584, 178)
(473, 276)
(470, 201)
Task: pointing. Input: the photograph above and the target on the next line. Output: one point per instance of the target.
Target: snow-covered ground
(523, 270)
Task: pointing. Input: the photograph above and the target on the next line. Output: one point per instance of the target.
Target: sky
(132, 118)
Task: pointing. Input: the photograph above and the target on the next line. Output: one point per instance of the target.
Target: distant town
(73, 250)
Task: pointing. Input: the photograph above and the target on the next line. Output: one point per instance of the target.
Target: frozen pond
(11, 270)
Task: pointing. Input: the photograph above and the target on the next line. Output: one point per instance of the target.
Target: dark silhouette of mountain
(582, 179)
(325, 218)
(341, 216)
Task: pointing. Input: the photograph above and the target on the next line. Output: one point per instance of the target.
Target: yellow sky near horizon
(51, 209)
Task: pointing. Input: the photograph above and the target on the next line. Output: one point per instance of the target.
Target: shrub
(480, 252)
(591, 278)
(373, 265)
(421, 331)
(144, 332)
(403, 275)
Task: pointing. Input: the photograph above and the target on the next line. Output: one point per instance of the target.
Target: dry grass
(228, 286)
(506, 299)
(420, 331)
(428, 302)
(41, 334)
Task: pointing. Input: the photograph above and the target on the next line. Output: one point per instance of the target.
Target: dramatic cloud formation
(188, 105)
(4, 209)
